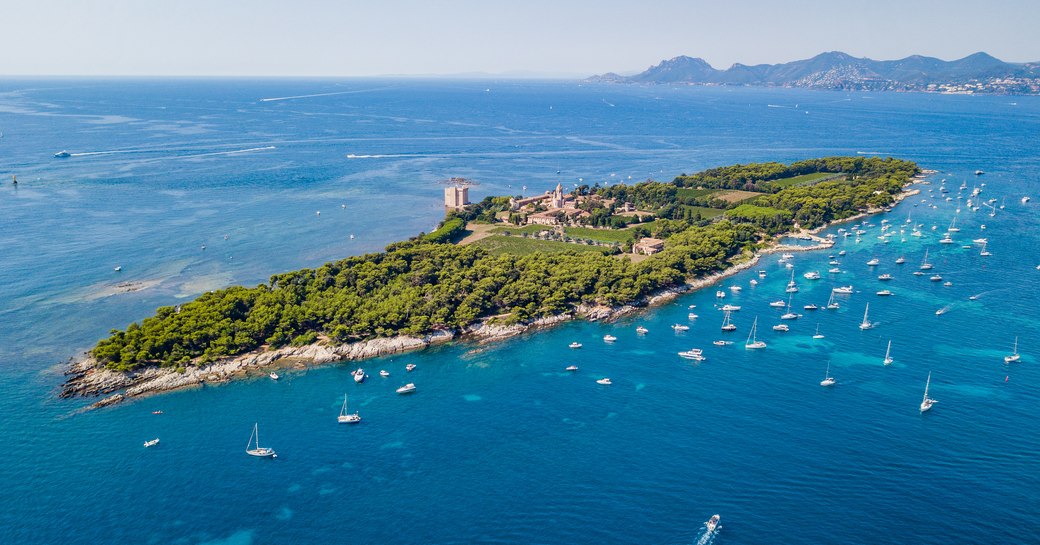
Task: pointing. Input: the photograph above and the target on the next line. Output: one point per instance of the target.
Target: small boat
(574, 344)
(778, 303)
(692, 354)
(117, 268)
(844, 290)
(884, 277)
(974, 297)
(411, 366)
(151, 443)
(761, 274)
(787, 256)
(835, 270)
(692, 316)
(257, 450)
(691, 307)
(781, 327)
(918, 273)
(927, 402)
(981, 240)
(680, 327)
(1025, 200)
(642, 330)
(900, 260)
(571, 368)
(873, 262)
(720, 294)
(384, 373)
(935, 278)
(407, 389)
(984, 252)
(834, 262)
(712, 524)
(609, 338)
(1014, 356)
(735, 289)
(946, 240)
(346, 418)
(828, 380)
(273, 375)
(62, 154)
(818, 335)
(359, 375)
(722, 343)
(752, 342)
(730, 308)
(888, 354)
(156, 412)
(866, 323)
(604, 381)
(948, 284)
(811, 306)
(812, 275)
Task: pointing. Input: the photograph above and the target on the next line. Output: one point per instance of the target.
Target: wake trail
(275, 99)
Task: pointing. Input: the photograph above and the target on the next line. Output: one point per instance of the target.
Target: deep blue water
(499, 444)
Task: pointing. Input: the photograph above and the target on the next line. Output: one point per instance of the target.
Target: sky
(543, 38)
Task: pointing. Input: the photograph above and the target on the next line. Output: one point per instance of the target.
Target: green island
(509, 260)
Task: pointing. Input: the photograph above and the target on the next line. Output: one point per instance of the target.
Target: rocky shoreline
(86, 378)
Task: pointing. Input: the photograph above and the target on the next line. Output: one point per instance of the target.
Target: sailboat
(925, 265)
(927, 402)
(953, 226)
(818, 335)
(984, 252)
(888, 354)
(792, 287)
(727, 325)
(1013, 357)
(789, 315)
(828, 380)
(831, 303)
(258, 451)
(345, 418)
(752, 341)
(866, 323)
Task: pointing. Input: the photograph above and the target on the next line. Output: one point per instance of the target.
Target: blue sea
(194, 185)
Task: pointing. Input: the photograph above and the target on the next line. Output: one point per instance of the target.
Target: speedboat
(359, 375)
(948, 283)
(873, 262)
(384, 373)
(574, 345)
(735, 289)
(835, 270)
(692, 354)
(62, 154)
(787, 256)
(885, 276)
(155, 441)
(642, 330)
(781, 327)
(273, 375)
(730, 308)
(846, 290)
(712, 524)
(604, 381)
(884, 293)
(780, 303)
(609, 338)
(935, 278)
(720, 294)
(406, 389)
(812, 275)
(722, 343)
(900, 260)
(680, 327)
(692, 316)
(571, 368)
(841, 253)
(811, 306)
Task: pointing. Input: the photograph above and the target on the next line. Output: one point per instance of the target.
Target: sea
(191, 185)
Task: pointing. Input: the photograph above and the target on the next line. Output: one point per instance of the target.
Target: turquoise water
(499, 444)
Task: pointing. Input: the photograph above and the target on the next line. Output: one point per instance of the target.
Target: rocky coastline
(86, 378)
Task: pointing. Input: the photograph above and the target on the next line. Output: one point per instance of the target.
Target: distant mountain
(976, 73)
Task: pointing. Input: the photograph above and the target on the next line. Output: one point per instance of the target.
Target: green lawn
(696, 193)
(706, 213)
(599, 235)
(804, 179)
(517, 245)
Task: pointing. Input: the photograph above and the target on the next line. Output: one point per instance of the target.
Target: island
(494, 269)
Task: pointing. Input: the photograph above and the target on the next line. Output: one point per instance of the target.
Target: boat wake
(943, 310)
(708, 537)
(276, 99)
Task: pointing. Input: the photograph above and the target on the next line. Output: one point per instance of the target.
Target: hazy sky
(544, 37)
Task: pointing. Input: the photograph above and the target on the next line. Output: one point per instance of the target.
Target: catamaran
(346, 418)
(752, 341)
(257, 450)
(1015, 356)
(727, 325)
(828, 380)
(927, 402)
(866, 323)
(888, 354)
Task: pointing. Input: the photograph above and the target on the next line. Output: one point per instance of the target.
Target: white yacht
(384, 373)
(811, 306)
(925, 265)
(884, 293)
(873, 262)
(844, 290)
(1014, 356)
(818, 335)
(574, 344)
(642, 330)
(831, 303)
(789, 315)
(411, 366)
(935, 278)
(727, 325)
(345, 417)
(151, 443)
(984, 252)
(604, 381)
(779, 303)
(720, 294)
(608, 338)
(735, 289)
(828, 380)
(781, 328)
(273, 375)
(866, 323)
(406, 389)
(680, 327)
(927, 402)
(359, 375)
(812, 275)
(888, 354)
(571, 368)
(730, 308)
(884, 277)
(692, 316)
(254, 448)
(692, 354)
(900, 260)
(752, 342)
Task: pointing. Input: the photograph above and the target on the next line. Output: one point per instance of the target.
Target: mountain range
(976, 73)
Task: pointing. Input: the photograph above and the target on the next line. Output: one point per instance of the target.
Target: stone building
(456, 196)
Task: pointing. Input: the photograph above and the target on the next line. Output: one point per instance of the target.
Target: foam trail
(234, 152)
(275, 99)
(86, 153)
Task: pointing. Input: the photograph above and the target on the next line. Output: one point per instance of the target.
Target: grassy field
(706, 213)
(516, 245)
(696, 193)
(736, 195)
(599, 235)
(804, 179)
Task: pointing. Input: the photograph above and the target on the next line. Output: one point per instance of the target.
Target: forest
(429, 283)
